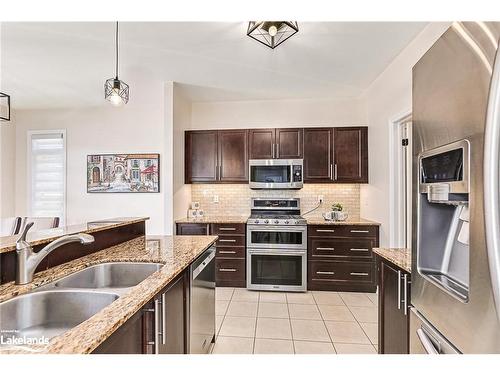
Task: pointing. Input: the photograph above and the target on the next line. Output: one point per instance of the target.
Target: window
(149, 162)
(47, 174)
(135, 163)
(135, 174)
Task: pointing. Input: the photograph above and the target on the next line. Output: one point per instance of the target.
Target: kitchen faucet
(27, 260)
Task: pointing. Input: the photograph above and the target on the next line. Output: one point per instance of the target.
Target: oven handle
(274, 252)
(275, 228)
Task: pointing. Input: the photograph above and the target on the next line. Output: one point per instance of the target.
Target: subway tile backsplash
(234, 199)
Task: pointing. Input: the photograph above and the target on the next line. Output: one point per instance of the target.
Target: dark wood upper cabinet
(289, 143)
(350, 154)
(261, 143)
(201, 156)
(393, 322)
(318, 152)
(216, 156)
(233, 148)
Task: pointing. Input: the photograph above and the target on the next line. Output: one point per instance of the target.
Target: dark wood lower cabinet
(139, 334)
(394, 318)
(340, 257)
(192, 229)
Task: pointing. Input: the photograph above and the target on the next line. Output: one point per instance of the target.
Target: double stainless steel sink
(54, 308)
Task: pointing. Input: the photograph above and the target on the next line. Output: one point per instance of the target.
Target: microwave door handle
(492, 181)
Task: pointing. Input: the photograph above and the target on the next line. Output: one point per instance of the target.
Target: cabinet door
(393, 330)
(289, 143)
(351, 154)
(233, 155)
(261, 143)
(192, 229)
(174, 318)
(201, 156)
(318, 155)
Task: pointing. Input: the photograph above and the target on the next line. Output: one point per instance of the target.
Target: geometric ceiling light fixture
(116, 91)
(4, 107)
(272, 33)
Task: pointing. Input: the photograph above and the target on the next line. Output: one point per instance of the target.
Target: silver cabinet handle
(426, 342)
(325, 230)
(228, 228)
(335, 172)
(359, 273)
(359, 231)
(277, 150)
(354, 249)
(399, 290)
(157, 326)
(492, 181)
(405, 305)
(331, 171)
(227, 269)
(272, 150)
(326, 248)
(164, 318)
(227, 252)
(220, 240)
(325, 273)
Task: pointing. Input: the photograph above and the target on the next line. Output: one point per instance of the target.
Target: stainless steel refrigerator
(455, 289)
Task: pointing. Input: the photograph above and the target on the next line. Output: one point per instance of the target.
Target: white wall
(387, 99)
(143, 125)
(278, 113)
(182, 121)
(7, 167)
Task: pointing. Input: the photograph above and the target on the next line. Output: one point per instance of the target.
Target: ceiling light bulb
(115, 99)
(273, 30)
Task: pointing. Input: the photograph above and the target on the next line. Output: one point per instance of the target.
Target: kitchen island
(176, 253)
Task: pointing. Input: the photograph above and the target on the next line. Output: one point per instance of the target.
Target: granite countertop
(399, 256)
(175, 252)
(214, 219)
(349, 221)
(8, 243)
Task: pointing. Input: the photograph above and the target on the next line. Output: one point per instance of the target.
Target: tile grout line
(290, 324)
(360, 326)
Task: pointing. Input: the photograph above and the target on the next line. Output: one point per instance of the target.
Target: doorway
(402, 182)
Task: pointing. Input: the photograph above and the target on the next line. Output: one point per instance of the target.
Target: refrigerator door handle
(426, 342)
(492, 181)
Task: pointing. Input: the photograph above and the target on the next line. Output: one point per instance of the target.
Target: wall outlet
(321, 198)
(216, 199)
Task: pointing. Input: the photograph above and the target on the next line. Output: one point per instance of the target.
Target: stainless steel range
(276, 245)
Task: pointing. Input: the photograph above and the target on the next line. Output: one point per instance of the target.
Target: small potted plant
(337, 207)
(336, 213)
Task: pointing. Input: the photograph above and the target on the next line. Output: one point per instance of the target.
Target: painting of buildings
(123, 173)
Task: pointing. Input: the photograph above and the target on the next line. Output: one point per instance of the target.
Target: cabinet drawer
(343, 248)
(358, 272)
(230, 252)
(230, 241)
(229, 269)
(343, 230)
(233, 228)
(192, 229)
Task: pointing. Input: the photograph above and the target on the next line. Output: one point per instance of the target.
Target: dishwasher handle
(203, 264)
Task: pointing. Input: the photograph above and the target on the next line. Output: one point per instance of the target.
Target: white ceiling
(66, 64)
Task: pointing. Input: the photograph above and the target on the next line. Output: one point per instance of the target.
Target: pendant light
(272, 33)
(5, 107)
(116, 91)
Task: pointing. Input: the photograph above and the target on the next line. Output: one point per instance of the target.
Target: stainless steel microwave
(276, 174)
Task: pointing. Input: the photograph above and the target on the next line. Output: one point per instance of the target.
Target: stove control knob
(276, 221)
(287, 222)
(297, 222)
(256, 221)
(266, 221)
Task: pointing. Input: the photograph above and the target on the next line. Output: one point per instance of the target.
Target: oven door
(273, 270)
(277, 237)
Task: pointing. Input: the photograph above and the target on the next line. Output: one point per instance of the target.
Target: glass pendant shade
(116, 91)
(272, 33)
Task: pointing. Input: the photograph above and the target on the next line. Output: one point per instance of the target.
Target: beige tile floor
(295, 323)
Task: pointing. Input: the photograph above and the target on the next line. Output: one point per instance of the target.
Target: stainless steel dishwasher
(202, 303)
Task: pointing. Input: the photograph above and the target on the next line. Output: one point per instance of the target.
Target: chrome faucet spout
(27, 260)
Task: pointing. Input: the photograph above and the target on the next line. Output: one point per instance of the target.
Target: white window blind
(48, 176)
